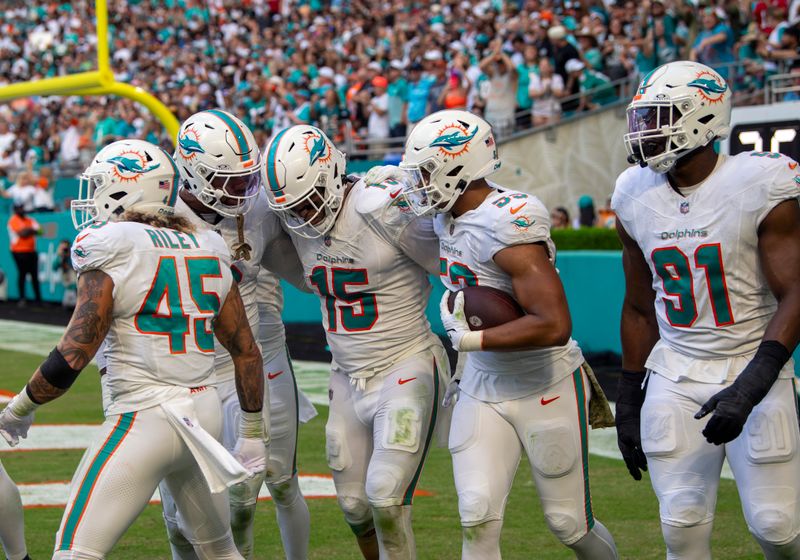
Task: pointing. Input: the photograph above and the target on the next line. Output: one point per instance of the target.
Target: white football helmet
(304, 175)
(444, 153)
(126, 175)
(219, 161)
(678, 107)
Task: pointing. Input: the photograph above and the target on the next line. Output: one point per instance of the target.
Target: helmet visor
(650, 128)
(233, 193)
(313, 214)
(423, 196)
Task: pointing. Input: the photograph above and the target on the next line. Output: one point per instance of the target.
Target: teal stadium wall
(593, 281)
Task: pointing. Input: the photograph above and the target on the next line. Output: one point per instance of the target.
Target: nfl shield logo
(684, 207)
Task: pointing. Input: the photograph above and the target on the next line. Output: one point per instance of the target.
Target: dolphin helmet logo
(456, 142)
(189, 145)
(128, 168)
(709, 86)
(317, 148)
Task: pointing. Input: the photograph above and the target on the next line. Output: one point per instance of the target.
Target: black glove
(733, 405)
(630, 398)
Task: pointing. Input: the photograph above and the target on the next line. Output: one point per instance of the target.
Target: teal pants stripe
(580, 397)
(112, 443)
(409, 495)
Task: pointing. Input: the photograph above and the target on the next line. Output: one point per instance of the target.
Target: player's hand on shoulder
(382, 173)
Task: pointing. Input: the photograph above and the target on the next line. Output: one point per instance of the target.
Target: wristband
(471, 341)
(23, 404)
(251, 425)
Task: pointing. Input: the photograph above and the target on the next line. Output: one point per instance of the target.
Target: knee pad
(284, 493)
(474, 501)
(356, 511)
(246, 493)
(403, 428)
(554, 448)
(565, 519)
(685, 506)
(660, 429)
(336, 449)
(773, 514)
(384, 485)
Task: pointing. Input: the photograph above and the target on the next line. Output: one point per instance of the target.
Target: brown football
(487, 307)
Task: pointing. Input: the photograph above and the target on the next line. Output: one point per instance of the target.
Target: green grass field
(627, 508)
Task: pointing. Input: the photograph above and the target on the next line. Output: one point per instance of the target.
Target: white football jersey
(168, 288)
(467, 248)
(371, 274)
(259, 228)
(712, 301)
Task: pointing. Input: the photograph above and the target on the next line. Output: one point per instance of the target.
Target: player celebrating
(525, 384)
(366, 256)
(161, 291)
(219, 163)
(711, 312)
(12, 527)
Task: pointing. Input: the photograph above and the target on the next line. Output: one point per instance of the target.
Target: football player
(525, 384)
(162, 291)
(220, 167)
(711, 250)
(367, 257)
(12, 527)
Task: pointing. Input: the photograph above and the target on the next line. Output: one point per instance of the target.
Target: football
(487, 307)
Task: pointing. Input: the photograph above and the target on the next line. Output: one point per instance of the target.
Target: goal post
(96, 82)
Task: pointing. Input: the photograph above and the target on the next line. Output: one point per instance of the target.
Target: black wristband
(57, 371)
(773, 353)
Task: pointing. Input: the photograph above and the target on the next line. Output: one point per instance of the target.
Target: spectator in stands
(529, 64)
(22, 232)
(586, 213)
(454, 96)
(69, 279)
(606, 217)
(563, 51)
(419, 88)
(23, 191)
(398, 96)
(713, 46)
(499, 89)
(546, 88)
(559, 218)
(378, 124)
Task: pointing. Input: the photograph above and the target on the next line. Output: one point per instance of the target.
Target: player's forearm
(785, 324)
(639, 333)
(41, 391)
(530, 331)
(250, 380)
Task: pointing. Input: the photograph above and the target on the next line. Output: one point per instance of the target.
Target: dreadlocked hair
(178, 223)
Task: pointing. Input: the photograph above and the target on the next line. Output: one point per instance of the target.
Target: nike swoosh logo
(545, 401)
(82, 237)
(793, 165)
(274, 375)
(404, 381)
(395, 194)
(518, 208)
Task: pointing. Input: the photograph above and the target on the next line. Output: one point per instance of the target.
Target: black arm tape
(57, 371)
(773, 353)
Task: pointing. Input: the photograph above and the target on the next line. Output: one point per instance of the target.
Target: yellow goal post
(96, 82)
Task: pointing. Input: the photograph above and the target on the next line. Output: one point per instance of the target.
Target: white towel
(220, 469)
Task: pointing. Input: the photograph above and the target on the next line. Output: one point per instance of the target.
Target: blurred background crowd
(358, 68)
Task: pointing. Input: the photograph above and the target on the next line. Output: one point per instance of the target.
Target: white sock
(243, 498)
(395, 537)
(597, 544)
(481, 542)
(12, 526)
(293, 518)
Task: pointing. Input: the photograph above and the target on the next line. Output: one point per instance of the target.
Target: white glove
(251, 453)
(455, 323)
(451, 393)
(382, 173)
(17, 417)
(251, 446)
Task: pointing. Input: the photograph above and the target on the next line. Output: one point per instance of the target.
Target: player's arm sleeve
(785, 185)
(419, 241)
(280, 257)
(105, 249)
(529, 225)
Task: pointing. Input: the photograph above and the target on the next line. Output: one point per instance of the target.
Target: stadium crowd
(371, 68)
